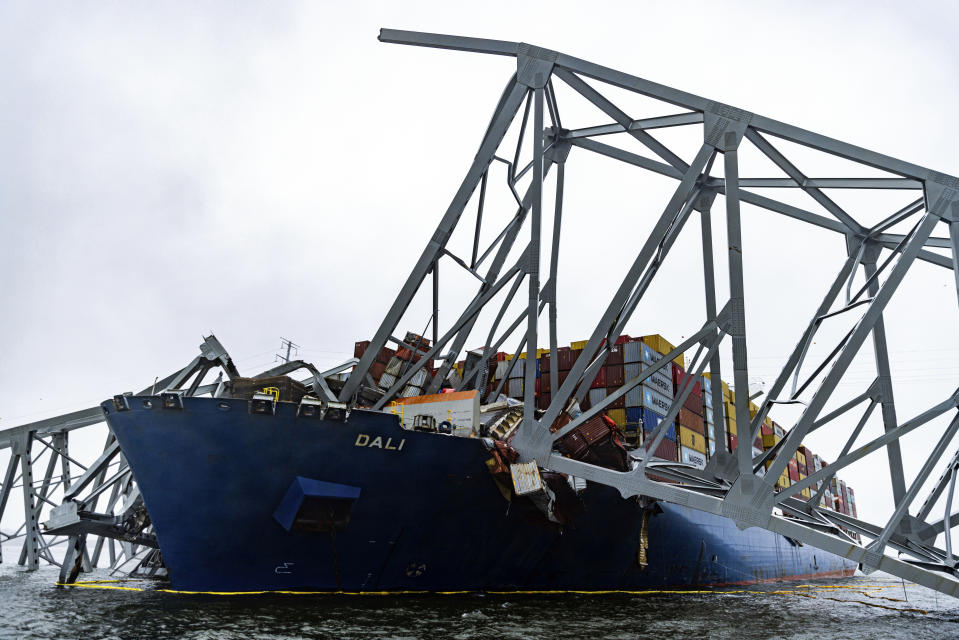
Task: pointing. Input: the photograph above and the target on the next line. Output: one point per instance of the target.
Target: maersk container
(648, 419)
(658, 381)
(695, 458)
(643, 397)
(633, 352)
(596, 396)
(691, 439)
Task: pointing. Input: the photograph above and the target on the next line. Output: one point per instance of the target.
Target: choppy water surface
(32, 607)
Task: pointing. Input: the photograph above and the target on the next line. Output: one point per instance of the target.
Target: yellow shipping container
(579, 344)
(522, 356)
(800, 458)
(618, 416)
(753, 410)
(768, 421)
(729, 409)
(783, 480)
(664, 346)
(691, 439)
(770, 440)
(806, 493)
(731, 427)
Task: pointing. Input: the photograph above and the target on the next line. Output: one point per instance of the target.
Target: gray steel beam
(719, 185)
(903, 503)
(709, 285)
(886, 397)
(800, 349)
(644, 124)
(737, 297)
(954, 239)
(32, 529)
(780, 160)
(830, 183)
(502, 117)
(862, 329)
(600, 101)
(667, 94)
(536, 214)
(612, 313)
(930, 501)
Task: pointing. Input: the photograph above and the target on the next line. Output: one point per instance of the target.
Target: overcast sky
(267, 170)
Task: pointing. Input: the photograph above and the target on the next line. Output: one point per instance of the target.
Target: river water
(31, 606)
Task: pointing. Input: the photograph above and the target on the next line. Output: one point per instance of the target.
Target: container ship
(262, 487)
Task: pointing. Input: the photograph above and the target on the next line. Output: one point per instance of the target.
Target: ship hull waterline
(429, 516)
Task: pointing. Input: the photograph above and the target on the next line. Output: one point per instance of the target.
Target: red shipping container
(615, 355)
(360, 348)
(542, 401)
(566, 357)
(619, 403)
(537, 387)
(544, 364)
(562, 378)
(733, 441)
(599, 382)
(667, 449)
(679, 374)
(766, 430)
(543, 381)
(793, 467)
(694, 404)
(615, 375)
(377, 369)
(623, 339)
(691, 421)
(758, 443)
(500, 356)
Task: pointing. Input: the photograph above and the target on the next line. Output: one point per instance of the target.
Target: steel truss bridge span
(732, 485)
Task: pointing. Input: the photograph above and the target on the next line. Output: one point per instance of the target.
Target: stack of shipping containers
(690, 439)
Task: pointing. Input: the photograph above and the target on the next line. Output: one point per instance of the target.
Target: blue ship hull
(429, 516)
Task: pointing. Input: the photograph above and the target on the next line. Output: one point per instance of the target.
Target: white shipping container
(501, 367)
(410, 391)
(644, 397)
(387, 380)
(526, 478)
(661, 381)
(419, 378)
(518, 369)
(692, 457)
(633, 352)
(514, 387)
(597, 395)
